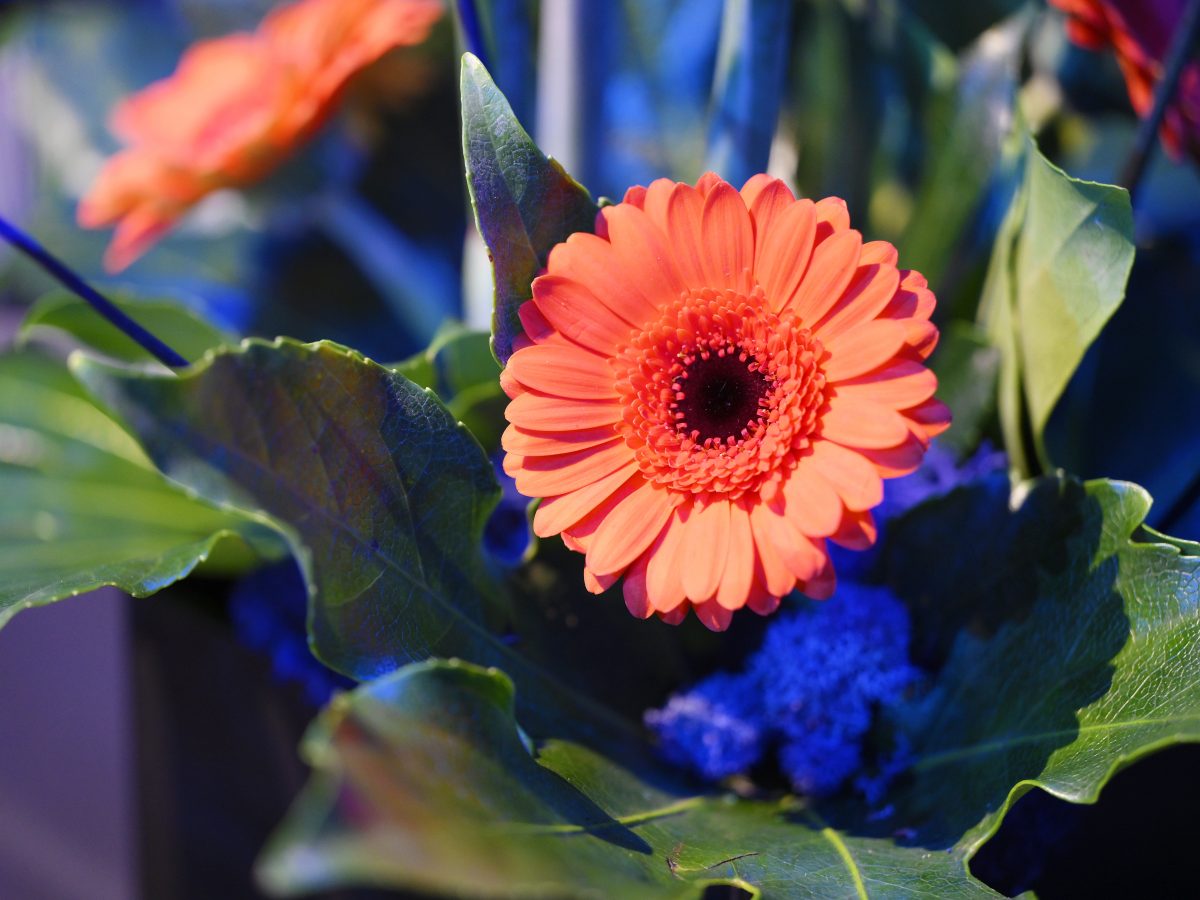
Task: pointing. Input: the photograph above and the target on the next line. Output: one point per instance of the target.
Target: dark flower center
(721, 396)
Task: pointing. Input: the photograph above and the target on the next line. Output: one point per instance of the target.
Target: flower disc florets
(721, 394)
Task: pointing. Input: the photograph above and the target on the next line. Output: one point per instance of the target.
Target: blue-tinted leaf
(425, 782)
(524, 203)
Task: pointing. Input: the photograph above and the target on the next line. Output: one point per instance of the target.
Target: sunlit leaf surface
(83, 507)
(424, 780)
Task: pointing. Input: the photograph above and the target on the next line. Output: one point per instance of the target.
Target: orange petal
(900, 384)
(766, 198)
(635, 195)
(642, 248)
(628, 530)
(663, 573)
(534, 323)
(547, 476)
(728, 236)
(856, 532)
(862, 424)
(134, 235)
(863, 348)
(707, 182)
(685, 210)
(658, 195)
(914, 300)
(874, 285)
(893, 462)
(598, 584)
(633, 589)
(676, 615)
(705, 550)
(738, 578)
(922, 337)
(810, 502)
(849, 473)
(834, 262)
(832, 216)
(798, 554)
(576, 313)
(538, 412)
(714, 616)
(761, 600)
(557, 514)
(933, 416)
(771, 569)
(547, 443)
(784, 250)
(822, 585)
(593, 261)
(563, 371)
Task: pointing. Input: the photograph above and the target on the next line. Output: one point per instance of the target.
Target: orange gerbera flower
(1140, 33)
(711, 387)
(234, 108)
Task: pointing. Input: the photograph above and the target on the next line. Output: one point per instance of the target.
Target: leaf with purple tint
(524, 203)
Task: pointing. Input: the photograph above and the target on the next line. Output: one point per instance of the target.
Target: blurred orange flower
(1140, 33)
(235, 107)
(713, 386)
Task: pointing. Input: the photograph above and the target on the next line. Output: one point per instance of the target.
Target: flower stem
(1177, 57)
(64, 275)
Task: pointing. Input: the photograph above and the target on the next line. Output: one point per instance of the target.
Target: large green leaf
(458, 366)
(1058, 273)
(382, 494)
(83, 507)
(1070, 649)
(524, 203)
(425, 781)
(182, 329)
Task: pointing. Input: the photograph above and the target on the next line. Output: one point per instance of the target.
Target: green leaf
(460, 369)
(83, 507)
(382, 496)
(967, 366)
(1058, 273)
(425, 781)
(1069, 648)
(524, 203)
(179, 327)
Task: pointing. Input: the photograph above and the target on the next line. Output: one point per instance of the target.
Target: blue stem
(60, 272)
(468, 17)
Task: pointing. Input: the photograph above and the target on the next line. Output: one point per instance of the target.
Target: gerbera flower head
(1140, 33)
(711, 387)
(236, 107)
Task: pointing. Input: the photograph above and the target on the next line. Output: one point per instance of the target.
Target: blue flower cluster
(809, 691)
(269, 609)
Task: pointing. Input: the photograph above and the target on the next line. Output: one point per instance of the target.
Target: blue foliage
(822, 671)
(268, 609)
(715, 728)
(507, 536)
(810, 691)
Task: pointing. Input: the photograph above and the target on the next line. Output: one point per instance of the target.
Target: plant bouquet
(730, 539)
